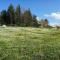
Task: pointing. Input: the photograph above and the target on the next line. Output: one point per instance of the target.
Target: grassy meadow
(26, 43)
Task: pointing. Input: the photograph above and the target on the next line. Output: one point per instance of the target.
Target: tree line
(15, 17)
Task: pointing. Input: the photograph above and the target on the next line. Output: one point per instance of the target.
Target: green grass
(21, 43)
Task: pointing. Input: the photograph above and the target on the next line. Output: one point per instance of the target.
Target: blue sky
(49, 9)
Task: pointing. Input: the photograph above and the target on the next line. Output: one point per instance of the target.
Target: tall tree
(8, 18)
(27, 18)
(35, 22)
(11, 14)
(3, 17)
(0, 19)
(18, 15)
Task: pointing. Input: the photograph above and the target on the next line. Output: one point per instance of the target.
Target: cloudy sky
(49, 9)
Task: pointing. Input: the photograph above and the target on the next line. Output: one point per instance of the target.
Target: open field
(21, 43)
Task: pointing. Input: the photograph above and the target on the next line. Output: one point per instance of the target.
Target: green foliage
(18, 15)
(27, 18)
(3, 17)
(14, 17)
(11, 14)
(34, 22)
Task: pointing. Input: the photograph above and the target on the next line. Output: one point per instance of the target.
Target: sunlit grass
(26, 43)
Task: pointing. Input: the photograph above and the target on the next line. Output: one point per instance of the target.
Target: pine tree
(3, 17)
(0, 19)
(27, 18)
(35, 22)
(11, 14)
(18, 15)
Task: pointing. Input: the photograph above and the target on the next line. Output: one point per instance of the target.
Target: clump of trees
(14, 17)
(43, 23)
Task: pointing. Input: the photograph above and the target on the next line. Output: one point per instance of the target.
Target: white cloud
(37, 18)
(55, 15)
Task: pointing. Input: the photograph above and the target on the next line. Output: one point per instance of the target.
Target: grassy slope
(29, 44)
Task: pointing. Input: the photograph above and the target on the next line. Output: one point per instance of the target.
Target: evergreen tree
(18, 15)
(3, 17)
(11, 14)
(0, 19)
(8, 18)
(35, 22)
(27, 18)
